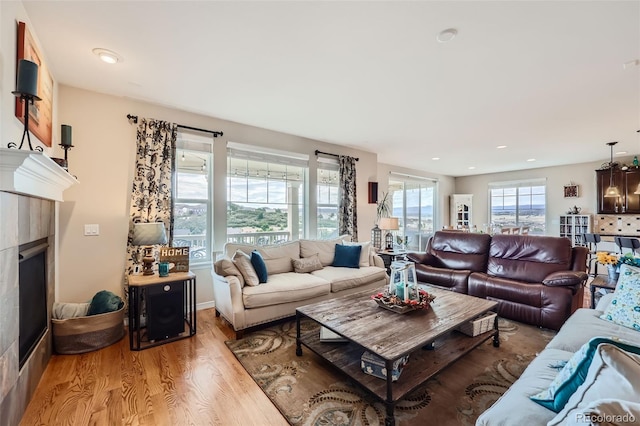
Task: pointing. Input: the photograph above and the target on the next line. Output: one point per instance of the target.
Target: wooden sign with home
(177, 257)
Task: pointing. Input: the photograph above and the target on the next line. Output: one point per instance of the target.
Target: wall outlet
(92, 229)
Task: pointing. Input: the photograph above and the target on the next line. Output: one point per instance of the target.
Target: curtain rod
(134, 119)
(333, 155)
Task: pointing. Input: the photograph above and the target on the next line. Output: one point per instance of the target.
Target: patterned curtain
(152, 193)
(347, 209)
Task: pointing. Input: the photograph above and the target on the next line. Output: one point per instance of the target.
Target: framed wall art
(40, 112)
(570, 191)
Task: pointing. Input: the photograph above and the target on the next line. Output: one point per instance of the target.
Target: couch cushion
(344, 278)
(306, 264)
(624, 308)
(347, 256)
(364, 253)
(325, 249)
(286, 250)
(284, 288)
(259, 266)
(243, 262)
(584, 325)
(460, 250)
(528, 258)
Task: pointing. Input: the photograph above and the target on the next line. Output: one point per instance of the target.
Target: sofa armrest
(227, 298)
(425, 259)
(376, 260)
(565, 279)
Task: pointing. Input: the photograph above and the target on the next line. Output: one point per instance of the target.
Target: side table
(600, 282)
(388, 256)
(170, 305)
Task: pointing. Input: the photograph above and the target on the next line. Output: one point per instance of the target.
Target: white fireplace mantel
(33, 173)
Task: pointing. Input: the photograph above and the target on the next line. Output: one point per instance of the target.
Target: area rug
(309, 391)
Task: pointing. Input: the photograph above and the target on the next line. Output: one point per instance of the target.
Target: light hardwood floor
(195, 381)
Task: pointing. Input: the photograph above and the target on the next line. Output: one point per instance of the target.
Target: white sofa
(515, 408)
(245, 306)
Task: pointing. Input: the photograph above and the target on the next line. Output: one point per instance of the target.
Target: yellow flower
(605, 258)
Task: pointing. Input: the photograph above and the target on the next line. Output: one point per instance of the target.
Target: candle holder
(27, 99)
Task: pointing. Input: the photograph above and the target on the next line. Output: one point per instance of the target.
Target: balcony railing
(259, 238)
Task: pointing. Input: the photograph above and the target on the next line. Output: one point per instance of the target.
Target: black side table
(389, 256)
(171, 307)
(601, 282)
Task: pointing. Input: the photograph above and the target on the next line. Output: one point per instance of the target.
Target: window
(518, 204)
(192, 221)
(412, 201)
(327, 186)
(265, 197)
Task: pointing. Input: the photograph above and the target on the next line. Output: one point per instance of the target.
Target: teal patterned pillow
(624, 308)
(574, 372)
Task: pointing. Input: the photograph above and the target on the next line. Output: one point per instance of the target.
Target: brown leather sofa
(536, 280)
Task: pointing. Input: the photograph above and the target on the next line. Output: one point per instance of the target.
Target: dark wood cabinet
(627, 182)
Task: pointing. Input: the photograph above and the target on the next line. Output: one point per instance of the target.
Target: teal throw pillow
(258, 264)
(624, 308)
(347, 256)
(574, 373)
(105, 301)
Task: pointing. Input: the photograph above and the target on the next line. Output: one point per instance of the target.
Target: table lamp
(389, 224)
(147, 235)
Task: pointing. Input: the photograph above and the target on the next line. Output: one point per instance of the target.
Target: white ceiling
(545, 78)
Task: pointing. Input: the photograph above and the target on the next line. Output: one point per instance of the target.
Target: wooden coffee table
(390, 336)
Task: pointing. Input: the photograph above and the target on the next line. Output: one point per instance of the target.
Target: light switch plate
(92, 229)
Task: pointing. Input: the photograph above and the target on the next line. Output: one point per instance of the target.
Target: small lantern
(403, 282)
(376, 237)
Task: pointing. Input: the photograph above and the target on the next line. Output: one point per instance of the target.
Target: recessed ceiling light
(472, 167)
(531, 159)
(447, 35)
(621, 152)
(106, 55)
(501, 147)
(435, 158)
(631, 64)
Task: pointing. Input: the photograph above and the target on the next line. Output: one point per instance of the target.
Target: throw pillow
(613, 374)
(347, 256)
(574, 372)
(260, 267)
(104, 301)
(243, 263)
(364, 253)
(325, 249)
(307, 264)
(624, 309)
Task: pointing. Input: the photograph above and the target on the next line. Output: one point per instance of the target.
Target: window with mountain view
(412, 201)
(265, 197)
(192, 203)
(518, 204)
(327, 198)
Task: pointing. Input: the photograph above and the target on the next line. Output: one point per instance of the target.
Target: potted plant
(383, 209)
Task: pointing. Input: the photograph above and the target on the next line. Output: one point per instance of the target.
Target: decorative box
(479, 325)
(374, 365)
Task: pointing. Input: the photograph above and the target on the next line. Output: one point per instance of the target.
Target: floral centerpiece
(398, 304)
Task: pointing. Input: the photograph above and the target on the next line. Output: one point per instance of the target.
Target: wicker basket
(86, 334)
(479, 325)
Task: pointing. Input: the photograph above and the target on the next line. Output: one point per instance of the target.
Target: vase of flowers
(611, 261)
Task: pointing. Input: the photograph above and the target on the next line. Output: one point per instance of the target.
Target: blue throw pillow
(347, 256)
(258, 264)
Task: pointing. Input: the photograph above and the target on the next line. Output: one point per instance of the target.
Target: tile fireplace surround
(30, 185)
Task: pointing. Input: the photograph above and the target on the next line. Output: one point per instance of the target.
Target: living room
(104, 151)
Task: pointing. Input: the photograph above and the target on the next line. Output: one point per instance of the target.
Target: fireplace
(32, 291)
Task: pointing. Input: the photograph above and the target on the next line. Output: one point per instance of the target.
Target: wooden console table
(149, 289)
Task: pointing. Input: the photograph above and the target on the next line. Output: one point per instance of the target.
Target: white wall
(556, 178)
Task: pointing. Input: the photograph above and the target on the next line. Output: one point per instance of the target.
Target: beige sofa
(245, 306)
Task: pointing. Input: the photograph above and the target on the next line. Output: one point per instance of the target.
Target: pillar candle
(27, 83)
(66, 135)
